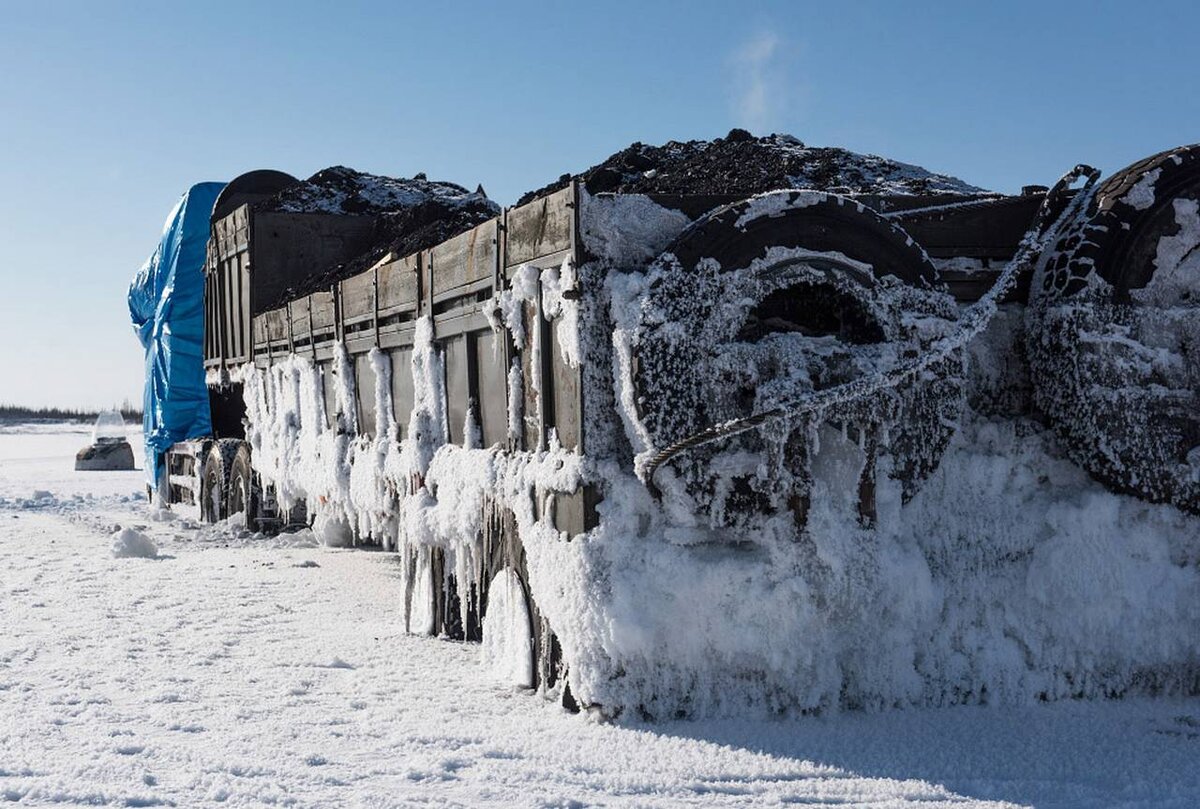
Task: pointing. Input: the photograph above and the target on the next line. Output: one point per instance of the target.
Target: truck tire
(216, 480)
(508, 648)
(795, 261)
(1114, 332)
(245, 490)
(213, 500)
(518, 643)
(420, 612)
(450, 619)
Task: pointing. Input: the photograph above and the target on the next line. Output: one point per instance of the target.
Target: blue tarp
(166, 302)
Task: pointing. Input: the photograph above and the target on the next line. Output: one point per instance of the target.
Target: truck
(690, 454)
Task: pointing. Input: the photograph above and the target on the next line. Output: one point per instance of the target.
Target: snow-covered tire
(1114, 332)
(244, 492)
(803, 262)
(506, 563)
(452, 617)
(420, 609)
(213, 477)
(508, 636)
(216, 479)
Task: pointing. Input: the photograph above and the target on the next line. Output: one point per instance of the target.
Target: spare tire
(767, 299)
(1114, 332)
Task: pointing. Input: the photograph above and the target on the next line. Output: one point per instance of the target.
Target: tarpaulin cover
(166, 302)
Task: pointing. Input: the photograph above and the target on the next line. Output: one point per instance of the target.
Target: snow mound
(129, 543)
(745, 165)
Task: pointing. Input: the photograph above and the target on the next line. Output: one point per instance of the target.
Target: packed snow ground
(248, 672)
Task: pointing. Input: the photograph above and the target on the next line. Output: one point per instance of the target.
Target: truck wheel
(245, 490)
(419, 599)
(508, 648)
(519, 646)
(213, 502)
(718, 340)
(450, 619)
(1114, 332)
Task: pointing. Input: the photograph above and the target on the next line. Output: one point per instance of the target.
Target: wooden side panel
(358, 302)
(464, 262)
(398, 286)
(540, 228)
(301, 322)
(324, 316)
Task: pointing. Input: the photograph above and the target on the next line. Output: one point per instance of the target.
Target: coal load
(742, 165)
(410, 214)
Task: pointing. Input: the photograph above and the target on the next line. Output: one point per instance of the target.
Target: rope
(976, 318)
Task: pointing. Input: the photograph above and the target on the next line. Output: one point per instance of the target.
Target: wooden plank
(358, 298)
(464, 260)
(540, 228)
(398, 286)
(324, 315)
(300, 319)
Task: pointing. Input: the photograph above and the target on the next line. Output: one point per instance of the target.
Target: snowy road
(253, 673)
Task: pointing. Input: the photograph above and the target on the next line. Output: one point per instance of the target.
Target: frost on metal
(993, 568)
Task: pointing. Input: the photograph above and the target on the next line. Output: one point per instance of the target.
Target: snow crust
(242, 672)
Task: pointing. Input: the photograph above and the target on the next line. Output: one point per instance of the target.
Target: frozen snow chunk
(41, 494)
(131, 543)
(161, 515)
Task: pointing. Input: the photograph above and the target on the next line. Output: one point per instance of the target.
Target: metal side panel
(566, 393)
(402, 386)
(491, 388)
(329, 392)
(289, 248)
(454, 353)
(365, 382)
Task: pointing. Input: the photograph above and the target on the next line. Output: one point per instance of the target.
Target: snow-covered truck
(731, 425)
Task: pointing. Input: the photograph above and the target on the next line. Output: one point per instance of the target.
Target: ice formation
(1008, 575)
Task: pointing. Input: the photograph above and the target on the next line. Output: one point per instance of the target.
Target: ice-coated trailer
(705, 453)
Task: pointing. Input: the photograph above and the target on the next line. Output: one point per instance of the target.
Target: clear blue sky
(109, 111)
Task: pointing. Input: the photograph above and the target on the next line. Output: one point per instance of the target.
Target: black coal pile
(743, 165)
(410, 214)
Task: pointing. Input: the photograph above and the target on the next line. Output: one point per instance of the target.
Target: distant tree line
(10, 412)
